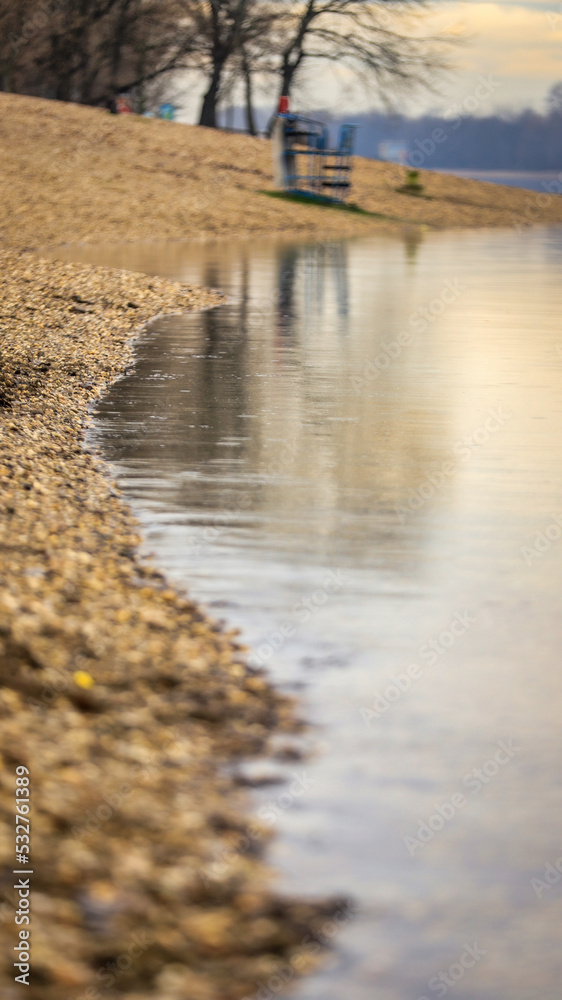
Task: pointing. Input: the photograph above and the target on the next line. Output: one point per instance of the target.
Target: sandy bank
(75, 174)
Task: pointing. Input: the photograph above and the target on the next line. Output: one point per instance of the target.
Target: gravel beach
(118, 694)
(121, 697)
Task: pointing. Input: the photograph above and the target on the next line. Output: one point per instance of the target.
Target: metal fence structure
(305, 164)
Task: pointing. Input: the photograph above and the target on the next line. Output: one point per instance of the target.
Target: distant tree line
(524, 141)
(89, 50)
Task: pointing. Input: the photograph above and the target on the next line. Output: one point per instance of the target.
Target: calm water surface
(359, 462)
(544, 181)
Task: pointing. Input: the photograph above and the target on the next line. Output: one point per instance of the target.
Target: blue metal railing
(306, 164)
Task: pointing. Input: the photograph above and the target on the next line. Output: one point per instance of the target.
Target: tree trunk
(287, 77)
(250, 117)
(289, 70)
(208, 115)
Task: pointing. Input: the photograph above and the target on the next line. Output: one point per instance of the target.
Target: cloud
(511, 39)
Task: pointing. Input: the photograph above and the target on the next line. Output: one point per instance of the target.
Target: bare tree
(258, 55)
(554, 99)
(84, 50)
(19, 23)
(377, 39)
(216, 26)
(147, 42)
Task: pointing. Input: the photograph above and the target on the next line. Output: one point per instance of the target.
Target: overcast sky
(518, 43)
(515, 45)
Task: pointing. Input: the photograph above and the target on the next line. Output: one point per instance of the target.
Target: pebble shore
(117, 692)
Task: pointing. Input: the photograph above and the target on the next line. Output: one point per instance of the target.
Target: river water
(543, 181)
(359, 462)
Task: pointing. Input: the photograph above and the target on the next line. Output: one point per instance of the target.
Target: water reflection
(413, 238)
(389, 413)
(315, 426)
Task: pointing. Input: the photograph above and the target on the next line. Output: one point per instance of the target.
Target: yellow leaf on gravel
(83, 679)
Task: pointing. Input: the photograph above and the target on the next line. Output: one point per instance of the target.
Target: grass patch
(415, 191)
(413, 185)
(301, 199)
